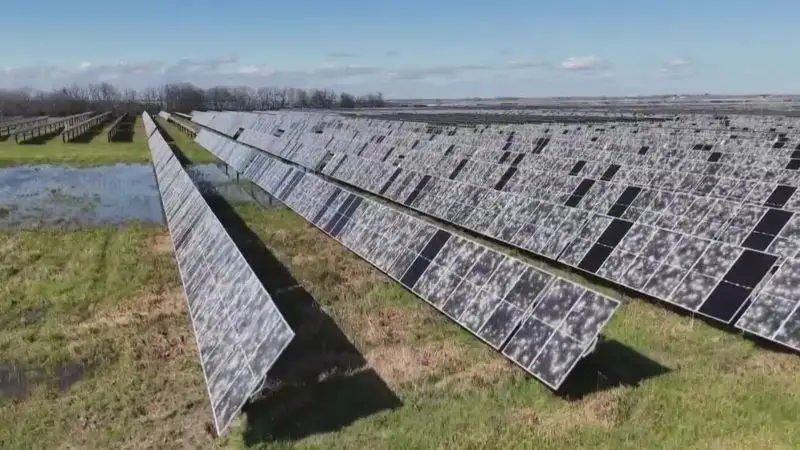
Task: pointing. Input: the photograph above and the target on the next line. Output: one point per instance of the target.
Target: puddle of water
(32, 197)
(68, 374)
(16, 381)
(208, 176)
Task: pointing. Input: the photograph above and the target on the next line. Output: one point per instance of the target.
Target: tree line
(178, 97)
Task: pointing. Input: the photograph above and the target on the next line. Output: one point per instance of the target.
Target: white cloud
(342, 55)
(584, 63)
(253, 70)
(523, 64)
(674, 63)
(392, 53)
(676, 68)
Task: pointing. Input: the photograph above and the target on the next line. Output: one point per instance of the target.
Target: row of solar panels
(9, 127)
(759, 216)
(762, 218)
(542, 322)
(641, 162)
(683, 143)
(708, 277)
(240, 332)
(749, 162)
(551, 168)
(520, 138)
(761, 123)
(561, 176)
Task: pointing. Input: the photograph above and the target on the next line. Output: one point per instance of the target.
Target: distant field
(97, 152)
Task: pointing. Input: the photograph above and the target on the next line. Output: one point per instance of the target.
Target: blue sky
(410, 48)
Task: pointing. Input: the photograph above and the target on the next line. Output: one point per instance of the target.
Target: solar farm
(429, 278)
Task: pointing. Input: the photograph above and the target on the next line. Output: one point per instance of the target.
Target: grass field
(97, 320)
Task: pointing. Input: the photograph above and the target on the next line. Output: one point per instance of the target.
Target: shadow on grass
(17, 381)
(320, 383)
(171, 142)
(87, 136)
(612, 364)
(42, 139)
(124, 130)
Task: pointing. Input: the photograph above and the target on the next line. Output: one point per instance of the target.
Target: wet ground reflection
(39, 196)
(45, 196)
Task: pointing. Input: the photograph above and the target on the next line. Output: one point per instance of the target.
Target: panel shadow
(87, 136)
(124, 132)
(42, 139)
(175, 149)
(320, 383)
(612, 364)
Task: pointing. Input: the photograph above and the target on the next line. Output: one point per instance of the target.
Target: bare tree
(346, 100)
(180, 97)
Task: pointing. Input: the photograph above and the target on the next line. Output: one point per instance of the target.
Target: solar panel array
(699, 219)
(543, 323)
(240, 332)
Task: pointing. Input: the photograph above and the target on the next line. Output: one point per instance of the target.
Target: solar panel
(492, 295)
(240, 332)
(774, 312)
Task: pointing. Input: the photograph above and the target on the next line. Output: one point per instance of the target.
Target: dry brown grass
(150, 305)
(473, 375)
(400, 364)
(387, 325)
(156, 325)
(596, 411)
(161, 243)
(771, 364)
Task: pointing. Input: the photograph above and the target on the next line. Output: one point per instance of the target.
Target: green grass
(98, 152)
(111, 299)
(195, 153)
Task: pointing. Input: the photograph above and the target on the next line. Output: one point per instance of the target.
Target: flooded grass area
(223, 181)
(41, 196)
